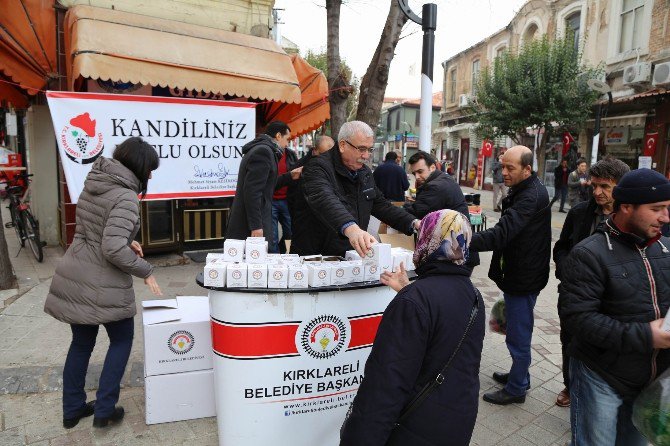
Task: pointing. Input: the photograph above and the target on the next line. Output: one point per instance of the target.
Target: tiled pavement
(34, 345)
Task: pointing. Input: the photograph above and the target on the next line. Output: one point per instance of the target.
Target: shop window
(475, 76)
(452, 86)
(572, 26)
(397, 120)
(631, 28)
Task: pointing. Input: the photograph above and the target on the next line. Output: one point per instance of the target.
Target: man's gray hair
(352, 128)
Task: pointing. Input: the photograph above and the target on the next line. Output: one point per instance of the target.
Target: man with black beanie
(614, 293)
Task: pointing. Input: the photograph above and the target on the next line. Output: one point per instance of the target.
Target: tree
(542, 87)
(7, 279)
(337, 83)
(375, 80)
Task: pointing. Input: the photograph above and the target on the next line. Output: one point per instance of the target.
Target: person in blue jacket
(418, 333)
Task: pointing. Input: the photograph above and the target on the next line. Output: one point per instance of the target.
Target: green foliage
(544, 84)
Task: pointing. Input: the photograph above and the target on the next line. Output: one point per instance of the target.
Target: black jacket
(335, 197)
(306, 228)
(578, 225)
(558, 177)
(521, 241)
(392, 180)
(607, 299)
(440, 191)
(252, 206)
(418, 333)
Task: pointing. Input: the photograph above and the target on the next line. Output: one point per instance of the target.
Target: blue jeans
(598, 415)
(76, 364)
(280, 214)
(519, 310)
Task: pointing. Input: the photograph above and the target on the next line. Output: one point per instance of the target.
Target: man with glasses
(341, 192)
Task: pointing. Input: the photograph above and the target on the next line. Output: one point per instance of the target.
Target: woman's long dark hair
(139, 157)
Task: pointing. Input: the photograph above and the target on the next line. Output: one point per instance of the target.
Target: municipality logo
(277, 275)
(181, 342)
(79, 140)
(232, 252)
(323, 337)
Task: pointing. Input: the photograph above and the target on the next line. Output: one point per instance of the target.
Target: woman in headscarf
(419, 332)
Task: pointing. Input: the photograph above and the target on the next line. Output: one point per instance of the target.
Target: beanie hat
(642, 186)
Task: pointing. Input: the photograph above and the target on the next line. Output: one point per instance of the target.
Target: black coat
(307, 230)
(392, 180)
(252, 206)
(578, 225)
(291, 163)
(607, 298)
(440, 191)
(558, 177)
(521, 240)
(336, 198)
(418, 333)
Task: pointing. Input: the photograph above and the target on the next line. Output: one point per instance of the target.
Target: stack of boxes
(259, 269)
(178, 373)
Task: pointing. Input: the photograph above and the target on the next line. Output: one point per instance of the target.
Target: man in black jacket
(435, 190)
(614, 292)
(341, 192)
(251, 213)
(580, 223)
(391, 179)
(287, 171)
(561, 184)
(306, 227)
(521, 245)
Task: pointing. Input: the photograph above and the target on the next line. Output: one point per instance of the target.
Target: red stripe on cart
(364, 330)
(253, 341)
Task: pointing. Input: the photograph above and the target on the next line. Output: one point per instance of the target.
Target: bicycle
(22, 219)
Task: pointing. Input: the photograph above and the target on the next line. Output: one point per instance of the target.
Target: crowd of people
(421, 383)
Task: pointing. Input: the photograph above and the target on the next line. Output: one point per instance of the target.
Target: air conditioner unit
(638, 73)
(464, 100)
(661, 74)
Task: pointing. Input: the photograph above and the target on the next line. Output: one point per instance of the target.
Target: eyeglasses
(361, 149)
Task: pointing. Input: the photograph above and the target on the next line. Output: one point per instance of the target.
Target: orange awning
(314, 108)
(120, 46)
(13, 95)
(28, 44)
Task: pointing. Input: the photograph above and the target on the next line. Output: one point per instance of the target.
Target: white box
(380, 253)
(257, 276)
(233, 250)
(319, 274)
(352, 255)
(357, 272)
(372, 271)
(289, 259)
(236, 275)
(215, 273)
(298, 276)
(277, 276)
(341, 273)
(211, 256)
(179, 396)
(256, 252)
(177, 335)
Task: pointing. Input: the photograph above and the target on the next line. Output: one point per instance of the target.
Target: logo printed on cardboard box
(322, 274)
(277, 275)
(257, 274)
(181, 342)
(298, 275)
(323, 337)
(237, 274)
(232, 252)
(213, 274)
(255, 254)
(356, 271)
(339, 272)
(373, 269)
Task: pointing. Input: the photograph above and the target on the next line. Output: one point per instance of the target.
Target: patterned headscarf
(444, 235)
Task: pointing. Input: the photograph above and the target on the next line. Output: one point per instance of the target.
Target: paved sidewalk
(34, 348)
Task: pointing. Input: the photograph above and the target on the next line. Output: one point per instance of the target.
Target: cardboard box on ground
(178, 364)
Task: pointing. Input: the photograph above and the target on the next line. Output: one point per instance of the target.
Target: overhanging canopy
(27, 47)
(124, 47)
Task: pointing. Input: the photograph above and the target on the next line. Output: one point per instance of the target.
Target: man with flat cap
(614, 293)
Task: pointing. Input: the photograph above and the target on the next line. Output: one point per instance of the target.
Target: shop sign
(616, 136)
(199, 142)
(12, 125)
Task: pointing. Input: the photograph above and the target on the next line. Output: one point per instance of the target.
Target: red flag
(650, 140)
(567, 140)
(487, 148)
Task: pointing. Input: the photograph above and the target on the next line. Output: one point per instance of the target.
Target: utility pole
(428, 22)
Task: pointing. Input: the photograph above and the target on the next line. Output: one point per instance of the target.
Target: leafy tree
(543, 87)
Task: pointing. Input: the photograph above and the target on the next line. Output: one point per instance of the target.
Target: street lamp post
(404, 142)
(428, 22)
(604, 88)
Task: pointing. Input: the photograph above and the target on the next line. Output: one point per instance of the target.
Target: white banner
(288, 365)
(199, 142)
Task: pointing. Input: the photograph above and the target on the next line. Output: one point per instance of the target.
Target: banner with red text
(199, 142)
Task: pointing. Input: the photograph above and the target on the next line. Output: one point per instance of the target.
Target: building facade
(615, 34)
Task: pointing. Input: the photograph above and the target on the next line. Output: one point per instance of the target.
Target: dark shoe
(563, 398)
(503, 398)
(87, 411)
(496, 209)
(115, 417)
(502, 378)
(563, 211)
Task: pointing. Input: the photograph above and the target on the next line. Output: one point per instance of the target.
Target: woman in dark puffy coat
(418, 334)
(93, 284)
